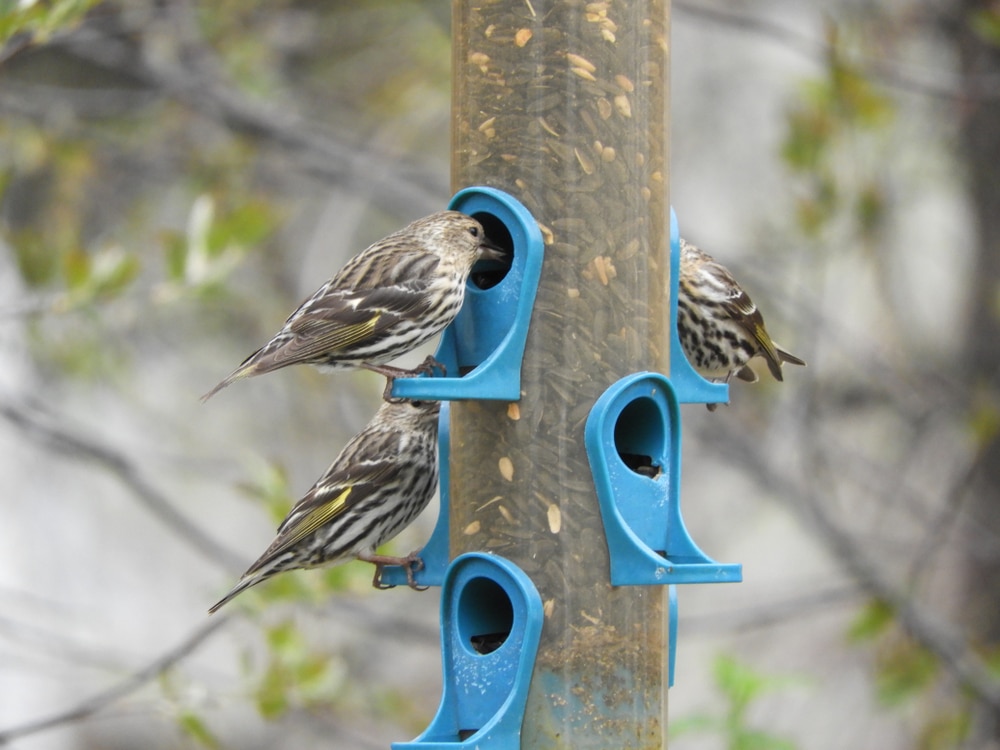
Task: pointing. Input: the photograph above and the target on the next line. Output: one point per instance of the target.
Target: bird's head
(459, 238)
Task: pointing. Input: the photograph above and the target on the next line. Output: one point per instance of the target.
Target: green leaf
(287, 587)
(740, 685)
(758, 740)
(37, 261)
(270, 487)
(945, 731)
(695, 723)
(870, 209)
(76, 268)
(873, 620)
(286, 641)
(195, 728)
(271, 695)
(811, 216)
(984, 423)
(175, 255)
(992, 660)
(344, 577)
(296, 674)
(113, 271)
(246, 225)
(808, 138)
(40, 19)
(904, 670)
(316, 682)
(99, 276)
(738, 682)
(986, 23)
(401, 706)
(857, 99)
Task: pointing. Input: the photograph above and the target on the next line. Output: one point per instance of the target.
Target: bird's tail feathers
(788, 357)
(248, 580)
(243, 371)
(774, 356)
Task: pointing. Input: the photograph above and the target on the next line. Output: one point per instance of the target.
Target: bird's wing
(337, 322)
(330, 329)
(406, 298)
(742, 309)
(386, 264)
(330, 497)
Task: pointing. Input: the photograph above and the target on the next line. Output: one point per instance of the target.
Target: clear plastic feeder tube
(564, 105)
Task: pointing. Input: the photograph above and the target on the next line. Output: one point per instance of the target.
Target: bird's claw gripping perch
(411, 564)
(429, 366)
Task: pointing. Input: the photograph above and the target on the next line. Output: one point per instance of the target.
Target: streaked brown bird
(720, 327)
(388, 300)
(378, 484)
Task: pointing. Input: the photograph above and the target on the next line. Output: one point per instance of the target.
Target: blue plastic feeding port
(491, 620)
(482, 348)
(435, 554)
(634, 447)
(691, 388)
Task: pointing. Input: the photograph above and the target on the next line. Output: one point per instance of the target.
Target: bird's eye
(474, 231)
(417, 404)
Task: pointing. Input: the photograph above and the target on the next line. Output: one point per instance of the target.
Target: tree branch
(941, 639)
(129, 685)
(196, 80)
(47, 432)
(768, 614)
(887, 72)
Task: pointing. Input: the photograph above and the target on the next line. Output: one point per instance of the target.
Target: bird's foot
(431, 367)
(411, 564)
(427, 367)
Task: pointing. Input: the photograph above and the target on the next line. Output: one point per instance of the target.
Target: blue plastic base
(483, 347)
(633, 444)
(491, 621)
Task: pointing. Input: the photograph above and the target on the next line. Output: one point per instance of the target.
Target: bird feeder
(561, 107)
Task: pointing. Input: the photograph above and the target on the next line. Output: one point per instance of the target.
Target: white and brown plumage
(378, 484)
(388, 300)
(720, 327)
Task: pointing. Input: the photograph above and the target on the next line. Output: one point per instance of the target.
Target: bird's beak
(490, 251)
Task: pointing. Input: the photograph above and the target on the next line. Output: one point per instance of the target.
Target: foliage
(907, 675)
(187, 714)
(134, 218)
(295, 674)
(837, 145)
(986, 23)
(828, 122)
(741, 686)
(38, 19)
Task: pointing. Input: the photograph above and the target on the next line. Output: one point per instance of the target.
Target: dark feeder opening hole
(485, 615)
(486, 274)
(639, 437)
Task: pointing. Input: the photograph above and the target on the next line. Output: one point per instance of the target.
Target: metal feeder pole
(564, 105)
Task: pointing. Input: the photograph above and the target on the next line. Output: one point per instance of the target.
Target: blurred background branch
(177, 176)
(122, 689)
(52, 435)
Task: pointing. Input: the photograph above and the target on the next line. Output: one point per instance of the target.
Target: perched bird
(385, 302)
(720, 327)
(381, 481)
